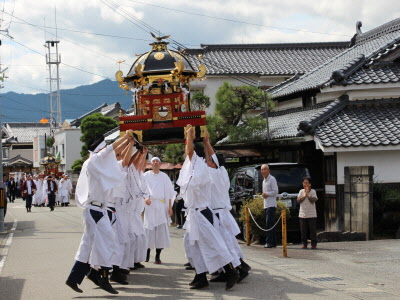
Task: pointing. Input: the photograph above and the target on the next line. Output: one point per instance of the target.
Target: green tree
(77, 165)
(174, 153)
(92, 128)
(231, 114)
(198, 100)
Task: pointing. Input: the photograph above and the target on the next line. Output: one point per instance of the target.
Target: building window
(5, 153)
(309, 101)
(62, 150)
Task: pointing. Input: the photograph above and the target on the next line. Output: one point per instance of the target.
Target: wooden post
(247, 217)
(284, 239)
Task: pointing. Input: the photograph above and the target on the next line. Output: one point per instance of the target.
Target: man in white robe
(221, 206)
(158, 212)
(64, 189)
(100, 173)
(204, 246)
(136, 193)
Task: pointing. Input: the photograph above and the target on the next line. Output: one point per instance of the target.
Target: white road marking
(7, 246)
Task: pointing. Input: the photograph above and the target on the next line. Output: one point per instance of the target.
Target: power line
(37, 52)
(95, 33)
(237, 21)
(57, 36)
(115, 8)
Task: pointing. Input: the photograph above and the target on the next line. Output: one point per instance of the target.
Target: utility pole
(3, 196)
(53, 60)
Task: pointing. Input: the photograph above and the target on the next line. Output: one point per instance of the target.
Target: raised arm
(189, 150)
(120, 144)
(208, 149)
(127, 152)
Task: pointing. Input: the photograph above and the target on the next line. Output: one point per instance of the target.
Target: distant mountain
(74, 102)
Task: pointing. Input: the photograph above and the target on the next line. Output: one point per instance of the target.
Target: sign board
(330, 189)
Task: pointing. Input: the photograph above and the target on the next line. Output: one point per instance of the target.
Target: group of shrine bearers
(113, 190)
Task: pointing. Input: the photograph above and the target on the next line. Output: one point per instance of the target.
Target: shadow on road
(11, 288)
(173, 283)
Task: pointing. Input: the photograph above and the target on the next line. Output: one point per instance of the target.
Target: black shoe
(220, 278)
(93, 275)
(138, 265)
(199, 282)
(189, 268)
(73, 286)
(134, 268)
(51, 208)
(216, 273)
(242, 274)
(104, 283)
(187, 264)
(231, 275)
(157, 261)
(118, 277)
(148, 255)
(124, 271)
(195, 279)
(244, 265)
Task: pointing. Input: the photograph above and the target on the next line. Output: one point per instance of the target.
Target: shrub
(256, 206)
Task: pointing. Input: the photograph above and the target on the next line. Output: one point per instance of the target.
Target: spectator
(12, 188)
(270, 190)
(308, 214)
(28, 188)
(179, 205)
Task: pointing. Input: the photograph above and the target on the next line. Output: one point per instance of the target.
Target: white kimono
(131, 210)
(35, 197)
(64, 189)
(156, 217)
(224, 222)
(204, 246)
(100, 173)
(39, 192)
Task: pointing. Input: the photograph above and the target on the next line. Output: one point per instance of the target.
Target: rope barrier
(266, 230)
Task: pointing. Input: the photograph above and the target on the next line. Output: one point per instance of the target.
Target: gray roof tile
(264, 59)
(24, 132)
(368, 47)
(362, 123)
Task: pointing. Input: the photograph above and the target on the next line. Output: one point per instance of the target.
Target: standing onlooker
(179, 205)
(12, 187)
(28, 188)
(270, 190)
(50, 189)
(308, 214)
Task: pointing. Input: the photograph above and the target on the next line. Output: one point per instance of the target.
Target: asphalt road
(37, 255)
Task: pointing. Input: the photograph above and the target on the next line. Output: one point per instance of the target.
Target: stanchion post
(284, 238)
(247, 217)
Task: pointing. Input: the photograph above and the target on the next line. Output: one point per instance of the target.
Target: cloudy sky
(95, 34)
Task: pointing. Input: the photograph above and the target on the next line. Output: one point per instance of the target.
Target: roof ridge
(308, 127)
(393, 25)
(275, 45)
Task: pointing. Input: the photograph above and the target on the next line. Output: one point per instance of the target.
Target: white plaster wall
(386, 164)
(72, 146)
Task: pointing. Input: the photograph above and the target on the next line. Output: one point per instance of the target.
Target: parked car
(246, 182)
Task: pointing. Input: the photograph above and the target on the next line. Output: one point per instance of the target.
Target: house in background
(256, 64)
(18, 145)
(112, 111)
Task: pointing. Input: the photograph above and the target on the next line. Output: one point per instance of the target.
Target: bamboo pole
(247, 217)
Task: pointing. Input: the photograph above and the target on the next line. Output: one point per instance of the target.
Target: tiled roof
(375, 74)
(362, 123)
(24, 132)
(18, 161)
(78, 120)
(284, 124)
(264, 59)
(367, 48)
